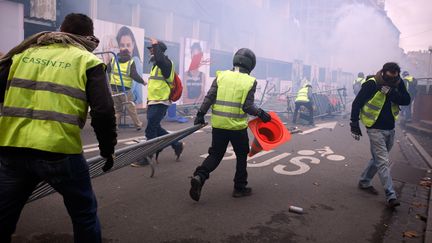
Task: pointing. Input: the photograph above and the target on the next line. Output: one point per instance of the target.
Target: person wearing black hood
(129, 74)
(377, 106)
(231, 97)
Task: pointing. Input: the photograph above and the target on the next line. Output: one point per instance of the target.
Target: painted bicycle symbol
(302, 160)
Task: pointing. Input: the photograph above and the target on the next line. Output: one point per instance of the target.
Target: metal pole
(430, 57)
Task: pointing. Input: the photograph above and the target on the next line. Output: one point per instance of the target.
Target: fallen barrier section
(124, 157)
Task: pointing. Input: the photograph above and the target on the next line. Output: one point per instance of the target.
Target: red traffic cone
(268, 135)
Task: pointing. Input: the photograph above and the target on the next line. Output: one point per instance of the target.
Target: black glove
(199, 119)
(264, 116)
(108, 163)
(106, 150)
(355, 130)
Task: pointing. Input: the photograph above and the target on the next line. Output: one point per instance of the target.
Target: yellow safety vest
(45, 106)
(125, 71)
(159, 88)
(371, 110)
(227, 111)
(409, 80)
(302, 95)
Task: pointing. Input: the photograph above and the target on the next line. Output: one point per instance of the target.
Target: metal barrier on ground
(124, 157)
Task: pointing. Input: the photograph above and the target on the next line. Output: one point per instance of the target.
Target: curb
(428, 159)
(428, 231)
(420, 149)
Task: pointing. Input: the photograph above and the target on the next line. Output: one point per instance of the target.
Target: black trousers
(220, 139)
(308, 106)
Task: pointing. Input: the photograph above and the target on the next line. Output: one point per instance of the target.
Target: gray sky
(414, 20)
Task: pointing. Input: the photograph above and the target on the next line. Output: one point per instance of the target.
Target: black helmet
(162, 46)
(360, 75)
(245, 58)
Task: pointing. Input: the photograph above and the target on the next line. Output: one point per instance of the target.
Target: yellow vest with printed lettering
(45, 104)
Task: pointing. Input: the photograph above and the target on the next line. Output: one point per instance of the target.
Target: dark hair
(391, 67)
(78, 24)
(197, 46)
(123, 31)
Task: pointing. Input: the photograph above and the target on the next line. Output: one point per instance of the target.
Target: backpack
(176, 89)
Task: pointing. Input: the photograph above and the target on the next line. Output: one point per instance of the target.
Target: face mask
(390, 79)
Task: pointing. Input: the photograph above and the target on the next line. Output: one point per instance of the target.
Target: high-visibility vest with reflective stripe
(359, 80)
(125, 71)
(302, 95)
(227, 111)
(45, 104)
(410, 80)
(371, 110)
(159, 88)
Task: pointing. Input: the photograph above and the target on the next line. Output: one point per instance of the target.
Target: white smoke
(363, 40)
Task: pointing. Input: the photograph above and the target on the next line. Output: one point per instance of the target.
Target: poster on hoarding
(196, 71)
(113, 37)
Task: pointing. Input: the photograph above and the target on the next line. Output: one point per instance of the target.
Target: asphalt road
(317, 170)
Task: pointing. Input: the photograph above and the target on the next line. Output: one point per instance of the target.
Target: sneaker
(369, 189)
(178, 150)
(244, 192)
(393, 203)
(196, 186)
(141, 163)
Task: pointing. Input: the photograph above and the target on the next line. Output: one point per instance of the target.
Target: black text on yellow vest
(45, 102)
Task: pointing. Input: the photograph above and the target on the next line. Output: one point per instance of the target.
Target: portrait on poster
(114, 37)
(196, 71)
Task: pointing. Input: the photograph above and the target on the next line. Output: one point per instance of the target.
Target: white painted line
(269, 161)
(118, 141)
(330, 125)
(90, 150)
(262, 153)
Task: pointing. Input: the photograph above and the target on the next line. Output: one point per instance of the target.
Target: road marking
(232, 155)
(269, 161)
(90, 149)
(306, 152)
(118, 141)
(335, 157)
(330, 125)
(303, 167)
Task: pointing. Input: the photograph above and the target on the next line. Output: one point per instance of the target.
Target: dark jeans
(155, 114)
(220, 139)
(69, 176)
(308, 106)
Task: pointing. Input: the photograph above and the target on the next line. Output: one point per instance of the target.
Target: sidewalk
(421, 141)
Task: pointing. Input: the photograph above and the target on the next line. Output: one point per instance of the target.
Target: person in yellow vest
(52, 78)
(129, 74)
(357, 83)
(159, 83)
(411, 84)
(231, 97)
(377, 106)
(304, 98)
